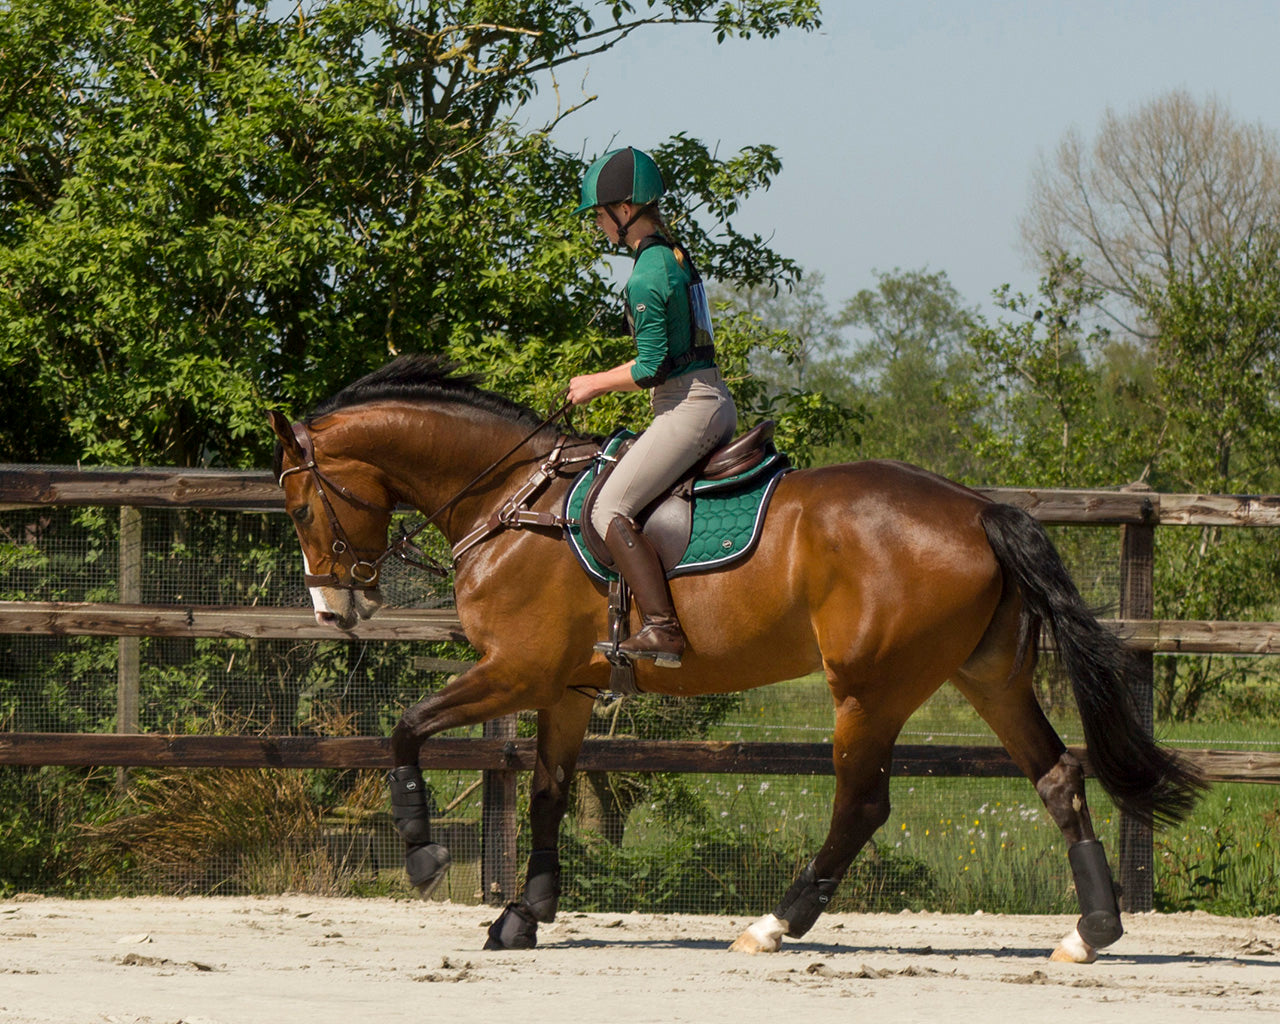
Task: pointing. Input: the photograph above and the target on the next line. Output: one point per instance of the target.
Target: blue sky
(909, 130)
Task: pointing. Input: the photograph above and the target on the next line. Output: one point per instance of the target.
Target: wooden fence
(499, 754)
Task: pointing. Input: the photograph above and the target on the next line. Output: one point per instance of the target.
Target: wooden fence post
(128, 665)
(498, 821)
(1137, 601)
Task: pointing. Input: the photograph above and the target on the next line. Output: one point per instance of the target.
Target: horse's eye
(301, 514)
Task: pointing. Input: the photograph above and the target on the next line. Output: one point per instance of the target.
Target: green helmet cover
(621, 176)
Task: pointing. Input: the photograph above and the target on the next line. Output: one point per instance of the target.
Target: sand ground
(339, 961)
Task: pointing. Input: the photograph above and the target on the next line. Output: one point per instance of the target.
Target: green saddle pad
(727, 514)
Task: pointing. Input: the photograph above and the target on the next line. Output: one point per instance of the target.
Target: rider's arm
(587, 386)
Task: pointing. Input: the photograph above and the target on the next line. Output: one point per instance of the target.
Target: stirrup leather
(622, 673)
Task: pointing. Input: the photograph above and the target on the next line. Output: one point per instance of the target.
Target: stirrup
(622, 674)
(661, 657)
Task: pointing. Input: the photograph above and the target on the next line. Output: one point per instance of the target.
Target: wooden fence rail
(73, 618)
(711, 757)
(499, 754)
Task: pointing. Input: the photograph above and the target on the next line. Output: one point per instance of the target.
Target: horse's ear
(283, 429)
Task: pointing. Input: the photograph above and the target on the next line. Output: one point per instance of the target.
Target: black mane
(419, 377)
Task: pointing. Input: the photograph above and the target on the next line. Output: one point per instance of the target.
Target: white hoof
(765, 936)
(1074, 950)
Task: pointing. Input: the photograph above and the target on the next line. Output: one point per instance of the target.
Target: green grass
(988, 844)
(956, 845)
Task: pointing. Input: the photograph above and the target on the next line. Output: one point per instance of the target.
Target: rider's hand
(583, 388)
(587, 386)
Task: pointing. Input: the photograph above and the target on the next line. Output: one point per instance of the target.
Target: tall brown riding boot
(660, 636)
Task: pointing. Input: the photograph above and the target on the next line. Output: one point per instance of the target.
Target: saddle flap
(700, 523)
(667, 522)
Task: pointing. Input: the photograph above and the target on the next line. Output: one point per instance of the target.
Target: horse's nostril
(326, 618)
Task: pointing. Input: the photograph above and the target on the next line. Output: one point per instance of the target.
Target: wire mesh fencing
(652, 841)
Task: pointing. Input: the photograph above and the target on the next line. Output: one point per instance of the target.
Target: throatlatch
(805, 900)
(1099, 923)
(425, 862)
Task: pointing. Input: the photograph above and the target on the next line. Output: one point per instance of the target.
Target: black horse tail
(1145, 780)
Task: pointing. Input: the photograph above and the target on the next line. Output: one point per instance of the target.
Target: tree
(799, 310)
(908, 354)
(1160, 192)
(209, 207)
(1217, 365)
(1050, 408)
(781, 343)
(1217, 353)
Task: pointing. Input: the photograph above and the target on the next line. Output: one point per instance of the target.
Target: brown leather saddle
(667, 522)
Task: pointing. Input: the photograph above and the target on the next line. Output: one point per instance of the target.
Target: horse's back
(888, 480)
(881, 502)
(867, 542)
(874, 570)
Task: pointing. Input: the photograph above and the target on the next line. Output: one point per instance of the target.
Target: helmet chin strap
(622, 228)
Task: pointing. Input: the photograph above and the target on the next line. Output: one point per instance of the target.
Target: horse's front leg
(478, 695)
(560, 731)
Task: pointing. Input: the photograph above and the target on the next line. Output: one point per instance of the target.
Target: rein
(363, 574)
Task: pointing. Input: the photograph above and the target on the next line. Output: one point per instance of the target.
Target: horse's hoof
(426, 867)
(1074, 950)
(765, 936)
(515, 928)
(748, 943)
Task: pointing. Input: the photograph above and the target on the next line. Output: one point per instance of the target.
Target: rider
(693, 411)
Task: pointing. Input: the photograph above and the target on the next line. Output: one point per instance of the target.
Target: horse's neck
(436, 456)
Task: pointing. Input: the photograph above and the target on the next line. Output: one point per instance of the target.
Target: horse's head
(340, 512)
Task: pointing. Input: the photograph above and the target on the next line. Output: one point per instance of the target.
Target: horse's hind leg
(862, 750)
(1007, 702)
(560, 732)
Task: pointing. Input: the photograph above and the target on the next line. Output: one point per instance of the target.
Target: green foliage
(807, 419)
(1038, 396)
(207, 209)
(1227, 867)
(42, 811)
(1195, 409)
(1216, 340)
(776, 346)
(908, 355)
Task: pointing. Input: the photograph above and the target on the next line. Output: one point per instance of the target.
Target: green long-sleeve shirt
(657, 300)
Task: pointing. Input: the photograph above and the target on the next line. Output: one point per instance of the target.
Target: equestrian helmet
(621, 176)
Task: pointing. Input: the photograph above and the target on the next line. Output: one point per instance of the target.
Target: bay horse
(889, 579)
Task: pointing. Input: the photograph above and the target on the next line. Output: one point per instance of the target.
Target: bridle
(362, 574)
